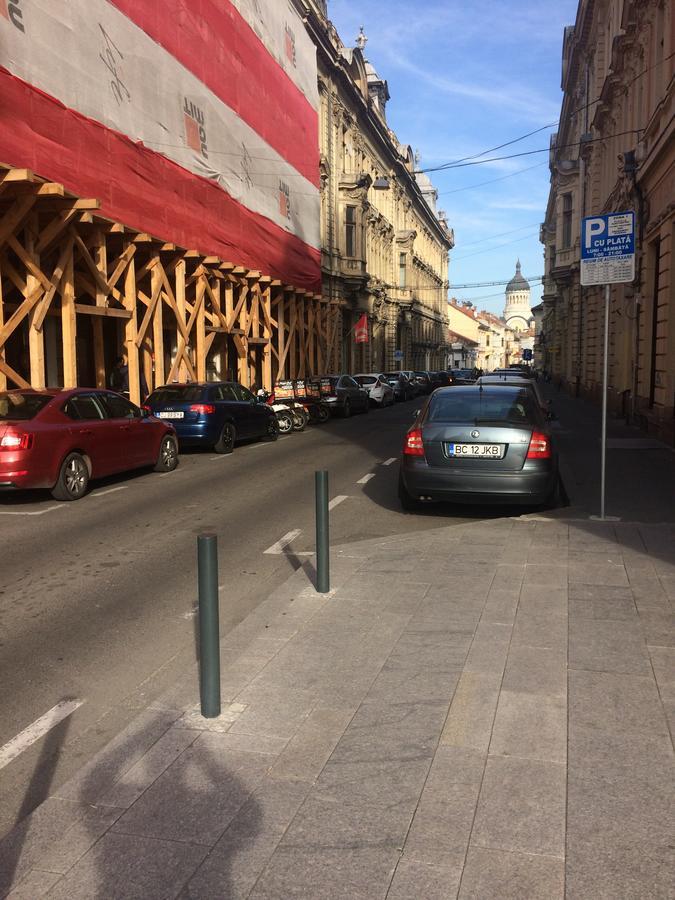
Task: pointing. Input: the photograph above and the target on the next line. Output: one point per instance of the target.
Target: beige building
(615, 151)
(384, 244)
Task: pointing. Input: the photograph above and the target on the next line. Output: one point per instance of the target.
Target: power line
(503, 234)
(491, 180)
(482, 284)
(525, 237)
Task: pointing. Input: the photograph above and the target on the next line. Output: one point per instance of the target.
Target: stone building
(517, 309)
(384, 244)
(615, 151)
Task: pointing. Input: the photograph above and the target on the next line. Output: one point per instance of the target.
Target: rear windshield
(501, 405)
(184, 393)
(20, 405)
(392, 374)
(366, 379)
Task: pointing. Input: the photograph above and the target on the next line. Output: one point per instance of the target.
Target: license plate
(490, 451)
(170, 415)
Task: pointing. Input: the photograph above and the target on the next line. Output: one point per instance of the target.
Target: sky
(463, 78)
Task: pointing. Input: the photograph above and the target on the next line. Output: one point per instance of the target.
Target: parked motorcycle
(283, 413)
(292, 416)
(308, 393)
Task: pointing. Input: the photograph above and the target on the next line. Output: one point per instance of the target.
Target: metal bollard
(322, 541)
(209, 626)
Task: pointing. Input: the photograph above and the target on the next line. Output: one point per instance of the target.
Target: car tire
(285, 422)
(73, 479)
(555, 498)
(322, 413)
(300, 419)
(407, 501)
(272, 432)
(225, 443)
(346, 410)
(167, 458)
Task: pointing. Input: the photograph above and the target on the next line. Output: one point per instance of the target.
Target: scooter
(308, 393)
(287, 417)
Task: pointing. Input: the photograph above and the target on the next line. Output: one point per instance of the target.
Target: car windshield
(21, 405)
(366, 379)
(502, 405)
(392, 375)
(180, 393)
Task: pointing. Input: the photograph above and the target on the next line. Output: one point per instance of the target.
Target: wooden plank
(147, 318)
(13, 175)
(10, 374)
(69, 325)
(157, 283)
(131, 331)
(281, 338)
(15, 216)
(243, 293)
(121, 265)
(3, 374)
(179, 276)
(55, 228)
(102, 312)
(101, 259)
(200, 330)
(265, 307)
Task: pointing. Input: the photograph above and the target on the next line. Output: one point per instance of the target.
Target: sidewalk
(478, 711)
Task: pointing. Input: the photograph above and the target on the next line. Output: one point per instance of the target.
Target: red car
(60, 439)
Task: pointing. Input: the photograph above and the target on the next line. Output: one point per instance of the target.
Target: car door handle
(85, 431)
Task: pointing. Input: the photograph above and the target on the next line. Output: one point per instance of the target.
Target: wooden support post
(200, 328)
(180, 304)
(302, 350)
(36, 339)
(267, 332)
(157, 325)
(131, 333)
(101, 260)
(292, 337)
(281, 337)
(69, 324)
(3, 376)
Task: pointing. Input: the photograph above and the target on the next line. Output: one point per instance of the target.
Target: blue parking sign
(608, 248)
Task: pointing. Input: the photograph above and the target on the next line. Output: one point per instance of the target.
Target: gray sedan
(479, 444)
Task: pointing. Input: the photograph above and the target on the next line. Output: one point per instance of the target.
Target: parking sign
(608, 248)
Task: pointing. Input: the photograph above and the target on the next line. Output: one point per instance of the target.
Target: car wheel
(300, 419)
(226, 440)
(555, 498)
(73, 478)
(285, 422)
(346, 410)
(272, 432)
(322, 413)
(408, 502)
(167, 460)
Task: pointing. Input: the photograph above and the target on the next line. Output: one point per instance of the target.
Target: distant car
(440, 379)
(344, 395)
(412, 378)
(478, 444)
(423, 380)
(403, 389)
(515, 379)
(381, 393)
(214, 414)
(462, 376)
(60, 440)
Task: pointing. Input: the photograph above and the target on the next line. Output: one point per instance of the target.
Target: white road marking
(366, 478)
(336, 501)
(221, 456)
(108, 491)
(278, 548)
(39, 512)
(388, 462)
(34, 732)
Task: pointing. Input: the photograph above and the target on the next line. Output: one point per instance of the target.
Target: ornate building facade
(615, 151)
(384, 245)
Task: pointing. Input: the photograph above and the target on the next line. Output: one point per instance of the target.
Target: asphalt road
(97, 597)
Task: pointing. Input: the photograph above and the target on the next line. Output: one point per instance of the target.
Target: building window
(350, 231)
(401, 270)
(567, 221)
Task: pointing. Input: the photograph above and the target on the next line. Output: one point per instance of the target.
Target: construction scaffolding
(77, 291)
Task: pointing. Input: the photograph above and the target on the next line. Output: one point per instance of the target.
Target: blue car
(214, 415)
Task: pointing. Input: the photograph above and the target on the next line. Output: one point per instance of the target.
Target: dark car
(477, 444)
(403, 389)
(61, 439)
(423, 380)
(344, 395)
(215, 414)
(440, 379)
(462, 376)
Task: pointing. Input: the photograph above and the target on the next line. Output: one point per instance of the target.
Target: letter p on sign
(593, 228)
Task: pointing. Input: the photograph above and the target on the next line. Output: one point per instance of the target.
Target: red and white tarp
(194, 120)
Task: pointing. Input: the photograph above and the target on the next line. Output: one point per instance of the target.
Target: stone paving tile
(584, 558)
(530, 726)
(69, 847)
(658, 627)
(615, 703)
(500, 606)
(521, 807)
(327, 873)
(151, 869)
(188, 786)
(607, 646)
(549, 575)
(536, 670)
(540, 630)
(622, 610)
(236, 862)
(496, 875)
(35, 885)
(538, 600)
(471, 714)
(617, 872)
(416, 879)
(311, 746)
(599, 592)
(604, 574)
(489, 649)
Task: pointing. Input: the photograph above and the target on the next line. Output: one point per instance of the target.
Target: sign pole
(603, 438)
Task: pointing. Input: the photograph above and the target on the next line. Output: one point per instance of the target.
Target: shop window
(350, 231)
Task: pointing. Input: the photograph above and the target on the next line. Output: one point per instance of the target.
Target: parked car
(423, 380)
(403, 389)
(514, 379)
(440, 379)
(344, 395)
(477, 444)
(381, 393)
(411, 376)
(59, 440)
(214, 414)
(462, 376)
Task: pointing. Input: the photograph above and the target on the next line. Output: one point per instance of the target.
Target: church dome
(517, 283)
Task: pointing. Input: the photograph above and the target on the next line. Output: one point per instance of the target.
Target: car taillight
(270, 399)
(203, 409)
(146, 408)
(540, 446)
(413, 443)
(16, 441)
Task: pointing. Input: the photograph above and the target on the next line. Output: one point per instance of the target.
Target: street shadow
(178, 829)
(16, 844)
